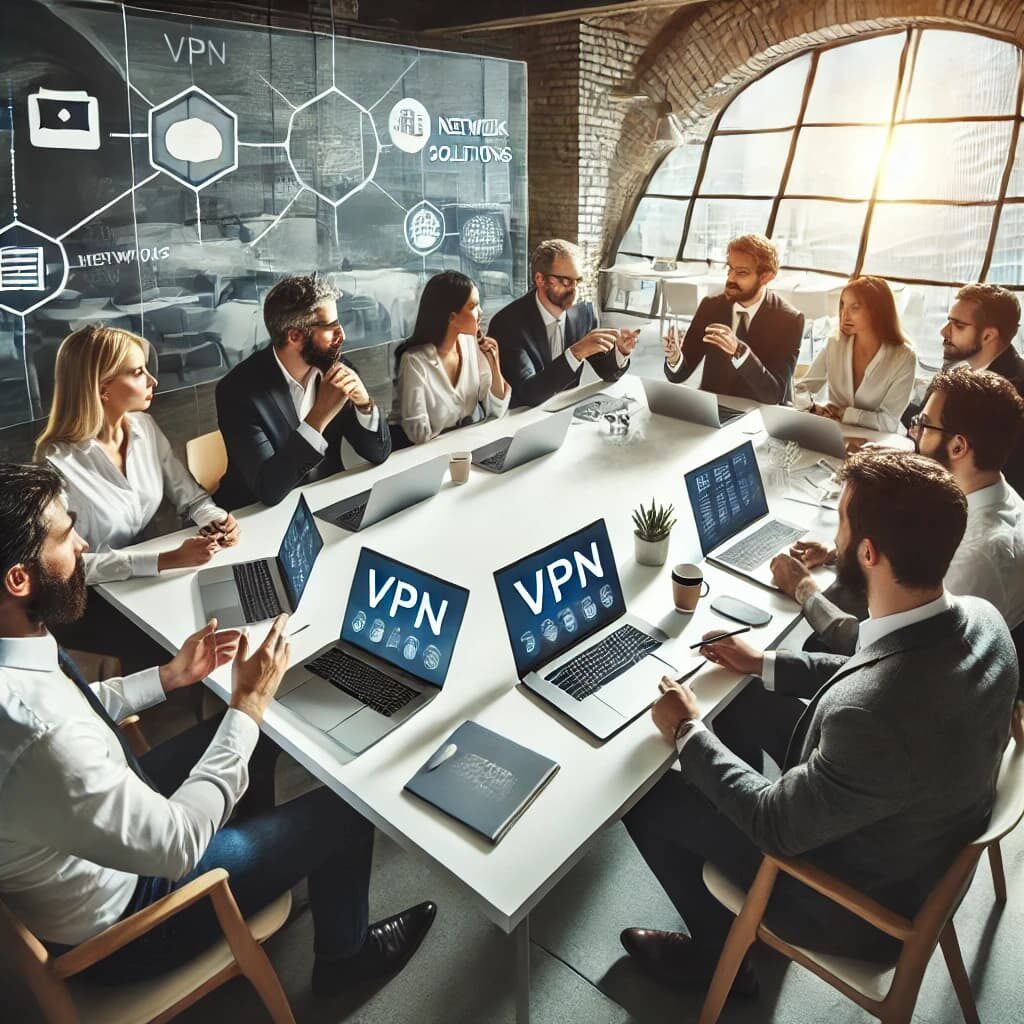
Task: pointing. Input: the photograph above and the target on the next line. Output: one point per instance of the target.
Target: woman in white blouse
(116, 463)
(868, 367)
(447, 368)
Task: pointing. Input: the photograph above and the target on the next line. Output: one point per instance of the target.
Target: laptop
(253, 591)
(816, 433)
(573, 641)
(572, 397)
(686, 403)
(397, 640)
(387, 496)
(527, 444)
(731, 512)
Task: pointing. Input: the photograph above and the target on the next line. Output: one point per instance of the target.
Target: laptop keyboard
(588, 672)
(352, 517)
(256, 591)
(375, 689)
(725, 414)
(761, 545)
(495, 461)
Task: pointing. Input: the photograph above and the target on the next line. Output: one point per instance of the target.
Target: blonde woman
(868, 367)
(116, 462)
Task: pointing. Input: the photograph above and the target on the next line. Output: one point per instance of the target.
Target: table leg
(522, 941)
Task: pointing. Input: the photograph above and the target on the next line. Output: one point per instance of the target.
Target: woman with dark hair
(447, 370)
(868, 367)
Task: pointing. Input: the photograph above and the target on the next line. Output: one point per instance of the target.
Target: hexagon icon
(193, 138)
(333, 146)
(33, 268)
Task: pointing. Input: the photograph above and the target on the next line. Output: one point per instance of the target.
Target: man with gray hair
(285, 410)
(544, 338)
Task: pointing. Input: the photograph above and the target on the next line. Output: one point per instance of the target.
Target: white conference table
(464, 534)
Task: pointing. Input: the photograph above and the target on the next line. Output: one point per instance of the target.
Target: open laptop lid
(559, 595)
(299, 548)
(394, 493)
(403, 615)
(817, 433)
(726, 496)
(539, 438)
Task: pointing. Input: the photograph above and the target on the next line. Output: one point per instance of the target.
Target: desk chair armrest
(846, 896)
(90, 952)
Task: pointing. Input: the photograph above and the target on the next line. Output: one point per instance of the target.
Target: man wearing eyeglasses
(285, 411)
(969, 424)
(544, 337)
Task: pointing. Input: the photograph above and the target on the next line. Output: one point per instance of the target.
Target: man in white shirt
(881, 784)
(89, 834)
(747, 338)
(970, 423)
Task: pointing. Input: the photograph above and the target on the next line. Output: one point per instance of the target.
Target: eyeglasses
(332, 326)
(566, 282)
(918, 422)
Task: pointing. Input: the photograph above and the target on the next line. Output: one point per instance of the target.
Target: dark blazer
(766, 375)
(526, 361)
(267, 456)
(890, 770)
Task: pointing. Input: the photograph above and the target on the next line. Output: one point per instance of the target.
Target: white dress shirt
(426, 401)
(555, 326)
(113, 508)
(884, 391)
(77, 825)
(303, 395)
(751, 311)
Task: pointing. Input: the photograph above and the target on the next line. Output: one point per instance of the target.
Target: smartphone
(740, 611)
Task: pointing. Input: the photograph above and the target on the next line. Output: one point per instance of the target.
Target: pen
(297, 631)
(721, 636)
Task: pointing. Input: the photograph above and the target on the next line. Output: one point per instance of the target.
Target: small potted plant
(653, 526)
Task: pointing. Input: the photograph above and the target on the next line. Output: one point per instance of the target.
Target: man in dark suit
(747, 338)
(285, 410)
(544, 338)
(887, 772)
(979, 331)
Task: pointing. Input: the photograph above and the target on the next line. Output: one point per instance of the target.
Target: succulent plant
(654, 523)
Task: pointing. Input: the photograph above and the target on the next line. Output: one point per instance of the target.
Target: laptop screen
(302, 543)
(407, 617)
(555, 597)
(726, 496)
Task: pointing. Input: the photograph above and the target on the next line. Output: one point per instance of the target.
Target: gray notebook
(486, 782)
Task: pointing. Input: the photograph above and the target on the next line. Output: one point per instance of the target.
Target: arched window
(898, 154)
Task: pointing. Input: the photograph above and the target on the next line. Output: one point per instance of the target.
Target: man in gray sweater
(887, 772)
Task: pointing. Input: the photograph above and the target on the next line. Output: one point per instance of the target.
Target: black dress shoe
(672, 958)
(388, 947)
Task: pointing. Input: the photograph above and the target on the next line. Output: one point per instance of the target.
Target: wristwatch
(741, 348)
(682, 729)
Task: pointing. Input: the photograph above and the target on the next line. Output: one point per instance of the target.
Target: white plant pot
(651, 552)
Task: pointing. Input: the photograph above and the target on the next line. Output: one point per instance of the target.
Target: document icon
(22, 269)
(63, 119)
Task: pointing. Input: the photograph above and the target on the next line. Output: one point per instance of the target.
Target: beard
(735, 293)
(951, 355)
(940, 455)
(848, 570)
(59, 600)
(321, 359)
(563, 300)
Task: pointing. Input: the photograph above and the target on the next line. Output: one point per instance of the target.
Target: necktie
(741, 325)
(70, 669)
(556, 339)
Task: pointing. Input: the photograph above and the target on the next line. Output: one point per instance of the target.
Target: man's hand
(225, 531)
(788, 573)
(340, 384)
(812, 554)
(191, 552)
(673, 349)
(626, 340)
(722, 337)
(254, 680)
(200, 655)
(594, 343)
(676, 705)
(733, 653)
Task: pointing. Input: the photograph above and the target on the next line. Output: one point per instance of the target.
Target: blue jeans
(316, 836)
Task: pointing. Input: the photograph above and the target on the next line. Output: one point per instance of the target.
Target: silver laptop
(685, 403)
(572, 397)
(527, 444)
(816, 433)
(387, 496)
(261, 589)
(573, 641)
(731, 512)
(397, 641)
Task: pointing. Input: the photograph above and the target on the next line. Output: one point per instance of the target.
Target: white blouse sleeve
(810, 384)
(111, 566)
(895, 399)
(412, 391)
(495, 407)
(180, 487)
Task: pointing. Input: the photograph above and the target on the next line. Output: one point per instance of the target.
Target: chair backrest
(681, 297)
(207, 459)
(1008, 808)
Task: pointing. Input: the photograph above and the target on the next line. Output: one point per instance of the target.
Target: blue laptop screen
(555, 597)
(407, 617)
(302, 543)
(726, 496)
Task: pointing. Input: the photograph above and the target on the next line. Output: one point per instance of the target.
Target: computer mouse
(447, 751)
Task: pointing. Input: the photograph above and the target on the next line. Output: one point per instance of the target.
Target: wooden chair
(207, 459)
(64, 1001)
(889, 994)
